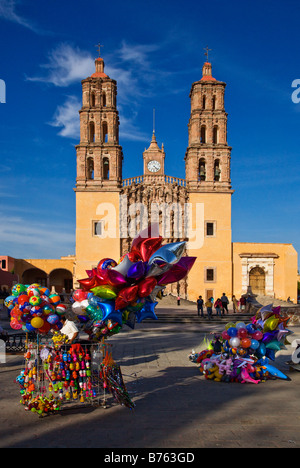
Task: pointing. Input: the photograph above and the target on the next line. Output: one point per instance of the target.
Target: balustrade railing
(167, 179)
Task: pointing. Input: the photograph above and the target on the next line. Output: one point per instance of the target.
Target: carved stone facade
(118, 209)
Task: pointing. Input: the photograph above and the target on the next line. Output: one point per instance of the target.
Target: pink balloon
(15, 325)
(178, 271)
(225, 335)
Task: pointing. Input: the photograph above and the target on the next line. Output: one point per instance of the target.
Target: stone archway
(257, 281)
(34, 275)
(61, 280)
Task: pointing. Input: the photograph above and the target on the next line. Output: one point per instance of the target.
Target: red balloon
(145, 244)
(246, 343)
(146, 286)
(45, 328)
(88, 283)
(80, 295)
(126, 296)
(242, 333)
(22, 299)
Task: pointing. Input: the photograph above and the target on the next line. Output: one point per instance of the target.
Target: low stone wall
(292, 312)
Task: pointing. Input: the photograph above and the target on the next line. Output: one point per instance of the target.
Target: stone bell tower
(99, 172)
(208, 186)
(99, 155)
(208, 154)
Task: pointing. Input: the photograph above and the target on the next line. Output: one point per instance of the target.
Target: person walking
(208, 306)
(235, 305)
(218, 307)
(178, 300)
(200, 303)
(225, 303)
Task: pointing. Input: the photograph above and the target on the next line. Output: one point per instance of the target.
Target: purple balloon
(137, 271)
(269, 336)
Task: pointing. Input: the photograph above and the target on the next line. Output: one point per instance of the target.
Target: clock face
(154, 166)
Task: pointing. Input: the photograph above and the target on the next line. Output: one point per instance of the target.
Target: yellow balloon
(230, 325)
(105, 292)
(37, 322)
(271, 324)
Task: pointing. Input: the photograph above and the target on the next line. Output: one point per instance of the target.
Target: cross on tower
(99, 48)
(206, 53)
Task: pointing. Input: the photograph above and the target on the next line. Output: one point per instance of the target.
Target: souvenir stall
(56, 373)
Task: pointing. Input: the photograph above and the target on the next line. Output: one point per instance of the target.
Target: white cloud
(8, 12)
(66, 65)
(131, 66)
(66, 117)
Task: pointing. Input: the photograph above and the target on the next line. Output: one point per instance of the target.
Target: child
(235, 304)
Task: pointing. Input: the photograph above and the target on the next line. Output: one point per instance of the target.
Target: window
(216, 135)
(210, 231)
(203, 102)
(98, 228)
(90, 169)
(104, 132)
(106, 169)
(217, 171)
(210, 275)
(214, 102)
(3, 264)
(203, 134)
(92, 132)
(93, 100)
(202, 170)
(103, 99)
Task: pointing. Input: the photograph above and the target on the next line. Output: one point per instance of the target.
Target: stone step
(181, 318)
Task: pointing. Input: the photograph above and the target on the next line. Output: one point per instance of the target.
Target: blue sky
(155, 52)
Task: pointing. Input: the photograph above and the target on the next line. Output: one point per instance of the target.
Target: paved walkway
(175, 406)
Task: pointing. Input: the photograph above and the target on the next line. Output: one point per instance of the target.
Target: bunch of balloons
(242, 353)
(34, 309)
(125, 292)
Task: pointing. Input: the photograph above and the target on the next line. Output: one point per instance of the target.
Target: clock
(154, 166)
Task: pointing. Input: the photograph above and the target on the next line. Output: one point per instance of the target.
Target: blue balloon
(147, 312)
(169, 253)
(261, 350)
(108, 310)
(254, 344)
(115, 316)
(232, 332)
(250, 329)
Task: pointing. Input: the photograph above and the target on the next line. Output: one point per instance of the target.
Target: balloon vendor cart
(56, 378)
(57, 375)
(245, 353)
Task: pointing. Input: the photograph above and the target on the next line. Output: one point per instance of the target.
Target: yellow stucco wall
(90, 249)
(285, 267)
(216, 251)
(46, 265)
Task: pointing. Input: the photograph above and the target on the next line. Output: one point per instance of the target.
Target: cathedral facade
(196, 208)
(110, 211)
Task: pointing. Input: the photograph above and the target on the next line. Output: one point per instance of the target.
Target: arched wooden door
(257, 281)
